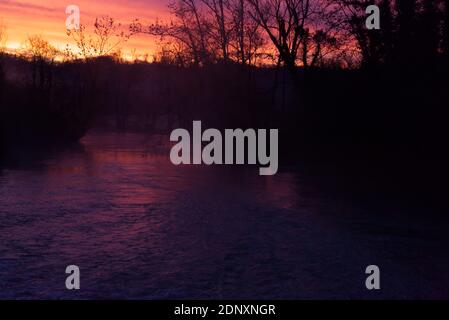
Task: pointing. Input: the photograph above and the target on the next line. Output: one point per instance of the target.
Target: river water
(139, 227)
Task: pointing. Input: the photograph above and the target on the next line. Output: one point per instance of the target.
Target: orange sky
(23, 18)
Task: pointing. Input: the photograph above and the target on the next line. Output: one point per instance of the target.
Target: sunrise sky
(23, 18)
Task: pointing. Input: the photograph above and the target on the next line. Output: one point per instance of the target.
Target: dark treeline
(413, 34)
(42, 102)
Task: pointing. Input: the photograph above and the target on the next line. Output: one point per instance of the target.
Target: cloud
(26, 5)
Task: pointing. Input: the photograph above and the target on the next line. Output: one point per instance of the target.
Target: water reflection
(139, 227)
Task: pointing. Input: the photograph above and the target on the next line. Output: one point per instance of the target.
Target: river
(139, 227)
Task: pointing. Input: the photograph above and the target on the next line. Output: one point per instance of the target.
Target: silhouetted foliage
(105, 40)
(208, 31)
(446, 33)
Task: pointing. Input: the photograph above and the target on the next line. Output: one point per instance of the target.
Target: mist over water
(140, 227)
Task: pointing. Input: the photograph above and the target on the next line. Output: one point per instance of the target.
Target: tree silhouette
(428, 34)
(186, 32)
(372, 44)
(387, 31)
(247, 37)
(406, 19)
(284, 22)
(105, 40)
(220, 12)
(207, 31)
(43, 55)
(446, 32)
(2, 48)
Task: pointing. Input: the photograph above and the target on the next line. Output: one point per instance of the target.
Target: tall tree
(406, 19)
(371, 43)
(284, 22)
(247, 38)
(387, 31)
(428, 33)
(446, 32)
(2, 45)
(300, 30)
(43, 55)
(106, 38)
(208, 31)
(222, 27)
